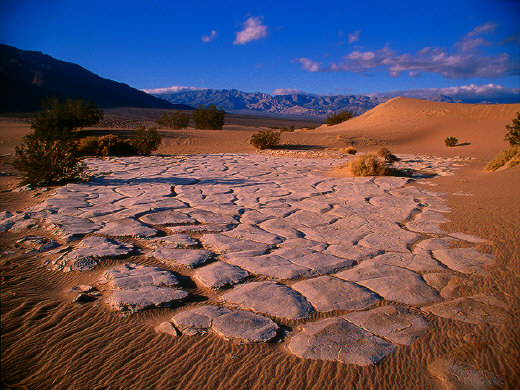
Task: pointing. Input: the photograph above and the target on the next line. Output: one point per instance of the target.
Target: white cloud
(253, 30)
(353, 37)
(307, 64)
(467, 93)
(464, 62)
(172, 89)
(288, 91)
(210, 37)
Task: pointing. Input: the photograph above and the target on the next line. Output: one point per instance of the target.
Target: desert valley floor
(268, 270)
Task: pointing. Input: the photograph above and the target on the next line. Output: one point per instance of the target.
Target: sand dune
(420, 126)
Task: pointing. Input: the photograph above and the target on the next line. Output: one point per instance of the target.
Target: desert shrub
(145, 140)
(368, 165)
(174, 120)
(451, 141)
(507, 158)
(58, 119)
(387, 155)
(513, 131)
(339, 117)
(208, 118)
(108, 145)
(350, 150)
(285, 128)
(45, 162)
(265, 139)
(311, 127)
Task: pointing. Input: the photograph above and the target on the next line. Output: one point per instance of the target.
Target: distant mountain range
(234, 101)
(27, 77)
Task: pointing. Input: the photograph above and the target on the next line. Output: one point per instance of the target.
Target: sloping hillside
(27, 77)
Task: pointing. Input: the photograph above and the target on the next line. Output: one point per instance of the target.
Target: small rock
(83, 288)
(83, 298)
(461, 376)
(166, 328)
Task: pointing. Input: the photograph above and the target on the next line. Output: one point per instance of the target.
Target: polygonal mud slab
(68, 227)
(468, 238)
(454, 375)
(269, 265)
(425, 247)
(465, 260)
(174, 241)
(448, 285)
(198, 320)
(220, 274)
(339, 340)
(167, 217)
(393, 323)
(254, 233)
(226, 244)
(477, 309)
(138, 287)
(236, 324)
(392, 283)
(391, 238)
(127, 228)
(86, 255)
(320, 262)
(418, 263)
(327, 293)
(352, 252)
(182, 257)
(270, 298)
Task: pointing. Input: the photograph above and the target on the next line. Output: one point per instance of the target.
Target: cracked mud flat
(356, 261)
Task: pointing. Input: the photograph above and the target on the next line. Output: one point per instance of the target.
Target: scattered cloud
(464, 61)
(253, 30)
(210, 37)
(514, 39)
(485, 28)
(288, 91)
(172, 89)
(353, 37)
(307, 64)
(472, 40)
(466, 93)
(259, 65)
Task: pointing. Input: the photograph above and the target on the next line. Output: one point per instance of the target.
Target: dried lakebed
(276, 241)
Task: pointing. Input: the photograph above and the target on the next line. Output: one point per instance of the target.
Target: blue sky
(328, 47)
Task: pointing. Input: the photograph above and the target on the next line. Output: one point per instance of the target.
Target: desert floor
(48, 342)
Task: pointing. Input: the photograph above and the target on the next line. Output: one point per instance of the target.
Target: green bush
(265, 139)
(45, 162)
(513, 131)
(145, 140)
(58, 120)
(339, 117)
(108, 145)
(208, 118)
(387, 155)
(451, 141)
(174, 120)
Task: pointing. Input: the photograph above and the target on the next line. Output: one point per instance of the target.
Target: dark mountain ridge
(28, 77)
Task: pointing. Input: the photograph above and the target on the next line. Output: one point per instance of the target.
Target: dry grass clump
(369, 165)
(350, 150)
(506, 159)
(387, 155)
